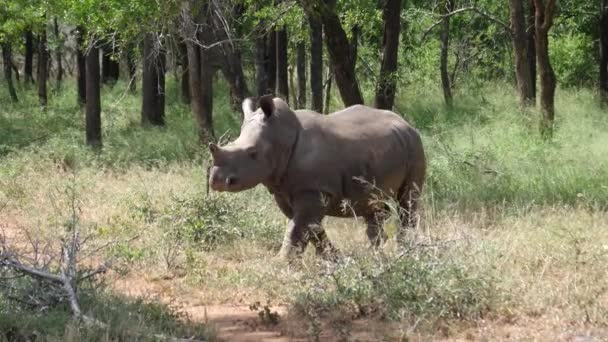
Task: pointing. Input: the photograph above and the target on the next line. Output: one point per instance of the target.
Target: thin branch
(477, 10)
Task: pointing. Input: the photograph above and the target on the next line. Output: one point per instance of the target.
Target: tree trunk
(81, 66)
(301, 74)
(199, 103)
(354, 44)
(261, 75)
(207, 74)
(604, 52)
(316, 64)
(338, 48)
(282, 64)
(271, 52)
(328, 89)
(93, 105)
(232, 68)
(29, 57)
(385, 91)
(7, 62)
(153, 82)
(42, 69)
(531, 33)
(58, 53)
(132, 68)
(519, 39)
(110, 68)
(185, 82)
(545, 10)
(446, 83)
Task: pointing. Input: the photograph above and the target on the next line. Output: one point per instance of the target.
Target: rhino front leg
(305, 227)
(375, 229)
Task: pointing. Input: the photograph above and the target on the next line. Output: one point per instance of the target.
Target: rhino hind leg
(408, 202)
(375, 229)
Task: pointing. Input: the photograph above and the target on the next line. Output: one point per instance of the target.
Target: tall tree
(519, 38)
(545, 11)
(7, 61)
(301, 74)
(385, 90)
(131, 67)
(316, 64)
(185, 81)
(110, 68)
(271, 56)
(282, 64)
(198, 71)
(58, 56)
(446, 83)
(29, 56)
(93, 103)
(531, 33)
(338, 48)
(42, 68)
(81, 74)
(604, 52)
(261, 61)
(153, 81)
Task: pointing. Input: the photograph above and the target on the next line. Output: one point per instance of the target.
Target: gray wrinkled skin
(316, 165)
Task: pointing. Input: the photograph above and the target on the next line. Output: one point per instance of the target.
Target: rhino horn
(216, 151)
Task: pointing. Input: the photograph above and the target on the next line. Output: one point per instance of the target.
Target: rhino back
(357, 142)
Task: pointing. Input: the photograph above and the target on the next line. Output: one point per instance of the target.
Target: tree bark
(604, 52)
(81, 66)
(301, 74)
(330, 75)
(282, 64)
(519, 39)
(354, 44)
(199, 102)
(132, 67)
(545, 10)
(110, 68)
(446, 83)
(29, 57)
(207, 74)
(185, 82)
(93, 104)
(316, 64)
(58, 53)
(531, 33)
(42, 69)
(261, 67)
(385, 91)
(153, 82)
(271, 52)
(232, 68)
(7, 62)
(338, 48)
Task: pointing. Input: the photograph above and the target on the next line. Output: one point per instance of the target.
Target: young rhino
(316, 165)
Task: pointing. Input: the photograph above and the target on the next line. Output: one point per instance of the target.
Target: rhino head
(261, 152)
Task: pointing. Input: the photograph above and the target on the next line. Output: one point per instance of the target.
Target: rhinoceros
(315, 165)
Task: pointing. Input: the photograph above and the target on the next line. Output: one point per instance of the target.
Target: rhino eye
(253, 154)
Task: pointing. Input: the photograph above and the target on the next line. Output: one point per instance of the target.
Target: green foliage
(208, 222)
(126, 318)
(416, 285)
(573, 55)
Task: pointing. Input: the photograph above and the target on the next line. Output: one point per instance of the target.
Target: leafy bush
(419, 285)
(215, 220)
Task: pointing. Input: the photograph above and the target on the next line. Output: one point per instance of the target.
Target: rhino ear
(248, 108)
(267, 104)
